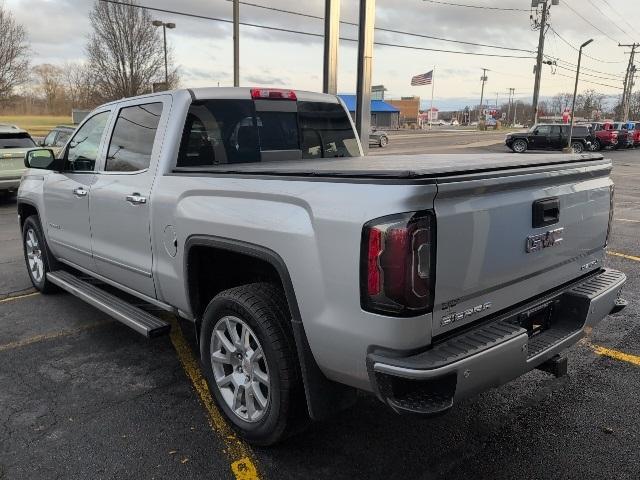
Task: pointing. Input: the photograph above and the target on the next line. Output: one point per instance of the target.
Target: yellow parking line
(623, 255)
(243, 464)
(48, 336)
(616, 355)
(18, 297)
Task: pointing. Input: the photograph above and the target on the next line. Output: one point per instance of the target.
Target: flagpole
(433, 84)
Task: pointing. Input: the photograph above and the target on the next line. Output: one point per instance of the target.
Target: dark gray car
(378, 138)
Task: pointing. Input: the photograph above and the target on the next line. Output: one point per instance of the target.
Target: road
(82, 396)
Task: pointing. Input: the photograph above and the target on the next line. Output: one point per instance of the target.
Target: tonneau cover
(395, 166)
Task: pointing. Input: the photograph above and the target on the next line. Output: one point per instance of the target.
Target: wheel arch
(25, 210)
(324, 397)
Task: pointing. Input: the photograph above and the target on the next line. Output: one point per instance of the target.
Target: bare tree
(50, 86)
(125, 50)
(79, 85)
(14, 54)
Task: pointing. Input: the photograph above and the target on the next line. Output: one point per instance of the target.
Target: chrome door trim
(65, 245)
(122, 265)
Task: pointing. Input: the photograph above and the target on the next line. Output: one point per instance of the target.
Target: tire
(266, 388)
(519, 146)
(37, 256)
(383, 141)
(596, 146)
(577, 147)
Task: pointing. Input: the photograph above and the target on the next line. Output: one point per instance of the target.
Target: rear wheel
(37, 255)
(248, 355)
(383, 141)
(577, 147)
(519, 146)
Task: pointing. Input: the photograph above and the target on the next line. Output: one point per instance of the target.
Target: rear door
(66, 193)
(121, 196)
(492, 248)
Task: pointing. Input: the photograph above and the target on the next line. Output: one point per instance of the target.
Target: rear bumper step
(494, 353)
(132, 316)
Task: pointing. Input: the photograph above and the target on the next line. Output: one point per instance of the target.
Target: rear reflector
(397, 275)
(272, 94)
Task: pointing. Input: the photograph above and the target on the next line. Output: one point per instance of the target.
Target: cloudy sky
(203, 48)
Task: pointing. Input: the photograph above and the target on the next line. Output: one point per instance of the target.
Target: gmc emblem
(535, 243)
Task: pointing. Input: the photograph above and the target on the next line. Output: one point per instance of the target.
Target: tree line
(124, 57)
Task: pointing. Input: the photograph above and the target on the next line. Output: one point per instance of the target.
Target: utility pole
(331, 41)
(483, 78)
(628, 81)
(511, 92)
(546, 6)
(236, 43)
(367, 17)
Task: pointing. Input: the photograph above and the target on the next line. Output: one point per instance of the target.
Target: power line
(311, 34)
(589, 81)
(388, 30)
(586, 74)
(594, 26)
(605, 15)
(613, 76)
(633, 29)
(577, 49)
(451, 4)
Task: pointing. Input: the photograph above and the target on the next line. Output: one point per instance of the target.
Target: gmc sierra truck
(311, 272)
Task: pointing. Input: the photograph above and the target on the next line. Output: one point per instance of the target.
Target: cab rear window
(222, 131)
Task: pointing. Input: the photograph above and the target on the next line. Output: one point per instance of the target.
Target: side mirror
(41, 158)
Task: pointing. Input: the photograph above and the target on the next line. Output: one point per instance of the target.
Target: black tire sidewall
(33, 223)
(268, 426)
(580, 148)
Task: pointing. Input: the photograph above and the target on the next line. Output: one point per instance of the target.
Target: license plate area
(539, 318)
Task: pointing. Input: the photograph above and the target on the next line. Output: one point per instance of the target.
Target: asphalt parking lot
(82, 396)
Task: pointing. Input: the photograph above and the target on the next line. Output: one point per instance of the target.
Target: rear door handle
(136, 199)
(80, 192)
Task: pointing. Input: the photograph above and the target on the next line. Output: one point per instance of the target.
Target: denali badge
(456, 317)
(537, 242)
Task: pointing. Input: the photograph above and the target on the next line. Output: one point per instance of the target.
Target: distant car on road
(57, 138)
(378, 138)
(14, 142)
(550, 137)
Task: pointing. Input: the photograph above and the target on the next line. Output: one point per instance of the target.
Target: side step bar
(133, 317)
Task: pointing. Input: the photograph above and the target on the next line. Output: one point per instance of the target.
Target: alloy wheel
(240, 368)
(34, 256)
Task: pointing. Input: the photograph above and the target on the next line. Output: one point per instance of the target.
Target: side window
(543, 130)
(83, 149)
(219, 132)
(61, 139)
(49, 139)
(556, 129)
(133, 136)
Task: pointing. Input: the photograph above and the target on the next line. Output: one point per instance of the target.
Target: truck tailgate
(494, 252)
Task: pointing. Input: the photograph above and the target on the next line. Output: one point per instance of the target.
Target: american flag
(423, 79)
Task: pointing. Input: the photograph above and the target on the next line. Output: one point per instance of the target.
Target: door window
(133, 137)
(543, 130)
(83, 149)
(49, 139)
(62, 138)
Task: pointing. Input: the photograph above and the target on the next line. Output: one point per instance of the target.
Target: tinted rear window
(231, 131)
(16, 140)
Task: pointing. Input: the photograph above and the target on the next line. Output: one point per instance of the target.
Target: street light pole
(158, 23)
(568, 149)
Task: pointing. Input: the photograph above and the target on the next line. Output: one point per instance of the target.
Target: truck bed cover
(396, 166)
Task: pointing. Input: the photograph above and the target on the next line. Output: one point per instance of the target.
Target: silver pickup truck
(311, 272)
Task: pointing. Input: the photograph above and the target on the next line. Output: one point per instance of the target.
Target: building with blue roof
(383, 115)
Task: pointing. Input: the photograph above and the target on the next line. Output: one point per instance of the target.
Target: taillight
(611, 211)
(397, 264)
(273, 94)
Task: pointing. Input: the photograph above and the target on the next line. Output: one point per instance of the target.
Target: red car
(605, 135)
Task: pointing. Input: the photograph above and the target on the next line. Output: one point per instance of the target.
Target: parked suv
(625, 135)
(14, 142)
(550, 137)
